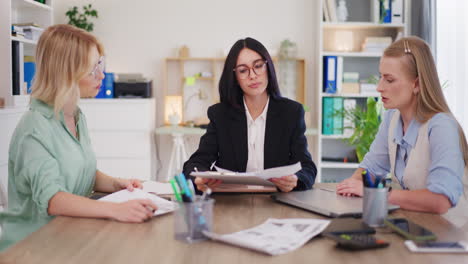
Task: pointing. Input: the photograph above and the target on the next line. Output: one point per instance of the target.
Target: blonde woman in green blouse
(52, 167)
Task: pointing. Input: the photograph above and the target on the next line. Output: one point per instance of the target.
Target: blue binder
(329, 74)
(337, 118)
(386, 11)
(29, 71)
(327, 118)
(107, 86)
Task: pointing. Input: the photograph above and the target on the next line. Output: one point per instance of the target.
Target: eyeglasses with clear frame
(99, 67)
(243, 71)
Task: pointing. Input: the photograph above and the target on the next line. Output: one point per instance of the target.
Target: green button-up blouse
(44, 158)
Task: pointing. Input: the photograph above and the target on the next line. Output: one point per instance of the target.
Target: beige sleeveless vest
(417, 169)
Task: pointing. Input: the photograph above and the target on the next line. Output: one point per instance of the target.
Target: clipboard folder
(247, 181)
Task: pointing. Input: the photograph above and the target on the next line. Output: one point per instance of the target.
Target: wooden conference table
(80, 240)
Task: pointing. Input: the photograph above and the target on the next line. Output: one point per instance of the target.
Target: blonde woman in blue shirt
(419, 141)
(52, 167)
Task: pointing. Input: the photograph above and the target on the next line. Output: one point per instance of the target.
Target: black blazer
(225, 140)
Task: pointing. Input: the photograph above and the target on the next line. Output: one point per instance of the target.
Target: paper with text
(164, 206)
(249, 178)
(274, 236)
(157, 187)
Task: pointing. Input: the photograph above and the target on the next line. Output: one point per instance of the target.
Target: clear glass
(374, 206)
(191, 219)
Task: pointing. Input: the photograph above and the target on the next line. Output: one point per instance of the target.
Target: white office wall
(452, 57)
(139, 34)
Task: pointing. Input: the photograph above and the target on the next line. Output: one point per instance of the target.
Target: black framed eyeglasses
(243, 71)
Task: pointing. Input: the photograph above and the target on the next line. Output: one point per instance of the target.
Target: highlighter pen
(183, 191)
(191, 187)
(187, 194)
(176, 192)
(177, 180)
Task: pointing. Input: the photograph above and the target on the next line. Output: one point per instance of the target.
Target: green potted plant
(287, 50)
(80, 20)
(365, 125)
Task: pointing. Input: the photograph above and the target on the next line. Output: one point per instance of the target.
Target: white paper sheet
(164, 206)
(249, 178)
(157, 187)
(275, 236)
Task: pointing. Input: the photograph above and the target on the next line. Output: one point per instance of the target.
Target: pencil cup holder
(193, 218)
(374, 206)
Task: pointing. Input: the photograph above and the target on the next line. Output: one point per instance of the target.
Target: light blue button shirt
(447, 165)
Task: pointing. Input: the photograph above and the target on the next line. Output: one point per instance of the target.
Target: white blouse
(256, 139)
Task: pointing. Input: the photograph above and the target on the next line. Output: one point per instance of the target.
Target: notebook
(325, 201)
(243, 188)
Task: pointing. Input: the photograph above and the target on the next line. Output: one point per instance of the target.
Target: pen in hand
(206, 193)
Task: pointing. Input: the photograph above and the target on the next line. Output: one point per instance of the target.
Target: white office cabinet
(9, 118)
(122, 135)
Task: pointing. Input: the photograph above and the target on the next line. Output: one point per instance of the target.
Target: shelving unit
(199, 96)
(23, 40)
(360, 23)
(11, 12)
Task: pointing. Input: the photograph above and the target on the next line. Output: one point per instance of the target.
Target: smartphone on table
(409, 230)
(437, 247)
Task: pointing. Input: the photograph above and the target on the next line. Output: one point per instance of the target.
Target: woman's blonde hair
(62, 59)
(420, 64)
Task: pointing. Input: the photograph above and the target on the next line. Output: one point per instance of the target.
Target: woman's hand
(285, 183)
(133, 211)
(128, 184)
(350, 187)
(202, 183)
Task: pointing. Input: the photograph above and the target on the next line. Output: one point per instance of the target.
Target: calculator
(356, 241)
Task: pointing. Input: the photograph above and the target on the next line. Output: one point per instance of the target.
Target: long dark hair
(230, 91)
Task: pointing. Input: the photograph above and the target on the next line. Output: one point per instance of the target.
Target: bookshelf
(11, 12)
(204, 92)
(362, 22)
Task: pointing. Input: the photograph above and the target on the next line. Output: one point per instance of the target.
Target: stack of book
(17, 32)
(31, 31)
(368, 88)
(376, 44)
(350, 83)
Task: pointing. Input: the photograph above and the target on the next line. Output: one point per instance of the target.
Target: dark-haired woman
(253, 127)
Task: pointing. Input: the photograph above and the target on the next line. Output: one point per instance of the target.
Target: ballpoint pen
(206, 193)
(191, 187)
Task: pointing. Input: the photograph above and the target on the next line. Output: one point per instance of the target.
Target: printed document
(249, 178)
(164, 206)
(275, 236)
(157, 187)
